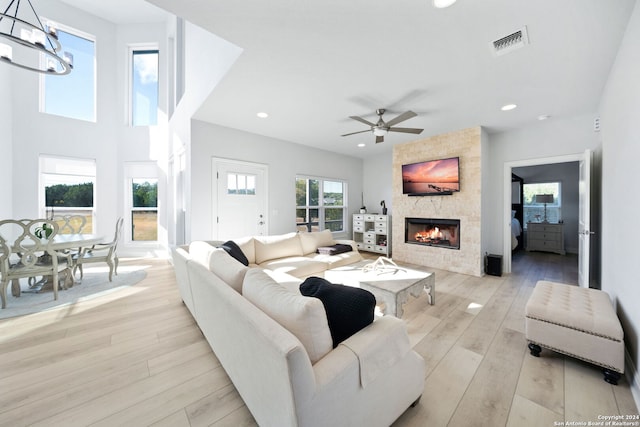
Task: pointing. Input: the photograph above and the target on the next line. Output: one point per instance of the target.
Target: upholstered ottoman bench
(578, 322)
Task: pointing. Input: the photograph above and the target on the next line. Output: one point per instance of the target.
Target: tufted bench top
(582, 309)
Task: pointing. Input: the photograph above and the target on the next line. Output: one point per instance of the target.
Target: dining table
(62, 243)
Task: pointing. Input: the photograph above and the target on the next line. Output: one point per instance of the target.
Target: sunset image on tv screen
(437, 176)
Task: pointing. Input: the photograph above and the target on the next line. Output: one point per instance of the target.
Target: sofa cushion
(227, 268)
(304, 317)
(273, 247)
(311, 241)
(348, 309)
(334, 261)
(296, 266)
(234, 250)
(200, 251)
(247, 246)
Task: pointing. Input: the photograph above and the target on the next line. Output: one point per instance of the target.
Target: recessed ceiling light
(543, 117)
(362, 145)
(508, 107)
(441, 4)
(262, 115)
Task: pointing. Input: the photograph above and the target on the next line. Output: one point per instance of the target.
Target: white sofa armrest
(383, 399)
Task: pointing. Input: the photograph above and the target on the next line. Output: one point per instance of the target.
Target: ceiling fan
(380, 128)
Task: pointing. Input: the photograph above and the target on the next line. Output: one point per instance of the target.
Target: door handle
(587, 232)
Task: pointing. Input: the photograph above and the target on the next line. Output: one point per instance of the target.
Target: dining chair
(100, 252)
(26, 252)
(71, 224)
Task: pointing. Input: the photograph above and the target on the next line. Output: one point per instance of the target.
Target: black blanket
(336, 249)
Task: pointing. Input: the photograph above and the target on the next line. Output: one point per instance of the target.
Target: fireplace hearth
(441, 233)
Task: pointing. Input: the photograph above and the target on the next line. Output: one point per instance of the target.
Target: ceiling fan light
(441, 4)
(379, 131)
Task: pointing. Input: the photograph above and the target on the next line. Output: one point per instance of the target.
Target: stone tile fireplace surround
(464, 206)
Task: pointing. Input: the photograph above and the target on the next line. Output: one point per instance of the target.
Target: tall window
(534, 211)
(72, 95)
(144, 87)
(68, 188)
(320, 204)
(144, 210)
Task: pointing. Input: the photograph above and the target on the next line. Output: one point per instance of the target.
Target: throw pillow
(234, 250)
(311, 241)
(231, 272)
(302, 316)
(348, 309)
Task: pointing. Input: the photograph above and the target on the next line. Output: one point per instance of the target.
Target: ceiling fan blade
(406, 130)
(360, 131)
(401, 118)
(361, 120)
(379, 139)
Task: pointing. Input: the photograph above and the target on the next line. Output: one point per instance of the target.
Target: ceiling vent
(510, 42)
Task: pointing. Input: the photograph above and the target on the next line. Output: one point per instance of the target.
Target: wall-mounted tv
(432, 177)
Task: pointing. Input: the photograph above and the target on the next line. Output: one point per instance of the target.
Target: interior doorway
(582, 228)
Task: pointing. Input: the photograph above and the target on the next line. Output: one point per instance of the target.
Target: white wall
(6, 142)
(620, 109)
(109, 140)
(207, 60)
(377, 182)
(554, 137)
(284, 159)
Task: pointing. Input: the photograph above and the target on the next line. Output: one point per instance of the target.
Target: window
(320, 204)
(533, 211)
(144, 87)
(241, 184)
(144, 210)
(68, 188)
(72, 95)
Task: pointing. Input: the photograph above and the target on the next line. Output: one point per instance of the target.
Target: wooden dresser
(547, 237)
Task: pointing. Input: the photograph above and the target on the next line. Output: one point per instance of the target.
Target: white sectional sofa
(275, 344)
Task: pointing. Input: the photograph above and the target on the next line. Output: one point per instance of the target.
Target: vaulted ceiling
(311, 65)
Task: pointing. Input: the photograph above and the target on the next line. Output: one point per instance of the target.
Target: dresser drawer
(381, 249)
(369, 217)
(359, 229)
(358, 223)
(381, 218)
(358, 217)
(552, 237)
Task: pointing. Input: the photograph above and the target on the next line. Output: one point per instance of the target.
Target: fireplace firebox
(441, 233)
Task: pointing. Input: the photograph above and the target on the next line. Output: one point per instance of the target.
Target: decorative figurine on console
(384, 207)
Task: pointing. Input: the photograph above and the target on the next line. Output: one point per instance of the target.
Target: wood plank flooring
(136, 358)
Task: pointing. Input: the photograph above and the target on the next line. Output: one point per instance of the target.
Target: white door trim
(214, 185)
(506, 212)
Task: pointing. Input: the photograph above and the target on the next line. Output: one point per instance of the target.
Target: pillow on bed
(513, 214)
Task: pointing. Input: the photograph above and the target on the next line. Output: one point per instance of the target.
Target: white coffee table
(389, 285)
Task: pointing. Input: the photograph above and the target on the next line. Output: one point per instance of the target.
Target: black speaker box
(493, 265)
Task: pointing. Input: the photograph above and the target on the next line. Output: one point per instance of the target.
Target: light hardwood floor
(135, 358)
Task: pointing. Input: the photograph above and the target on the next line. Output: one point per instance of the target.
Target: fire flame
(425, 236)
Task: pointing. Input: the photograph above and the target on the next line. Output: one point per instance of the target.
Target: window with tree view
(69, 186)
(320, 204)
(144, 211)
(534, 211)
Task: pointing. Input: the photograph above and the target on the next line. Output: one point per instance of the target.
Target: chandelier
(22, 39)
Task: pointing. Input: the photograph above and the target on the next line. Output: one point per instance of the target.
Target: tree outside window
(320, 204)
(144, 212)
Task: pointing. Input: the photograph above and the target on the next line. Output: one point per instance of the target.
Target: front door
(239, 200)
